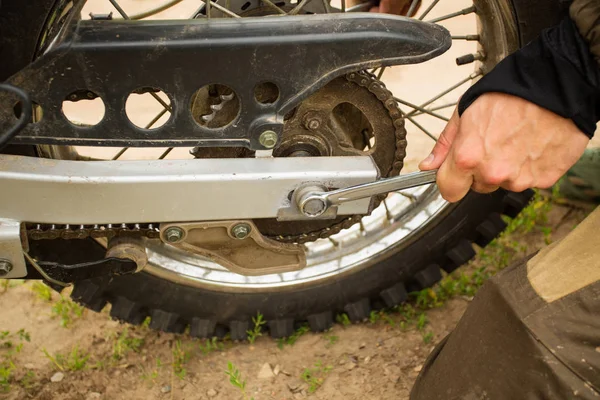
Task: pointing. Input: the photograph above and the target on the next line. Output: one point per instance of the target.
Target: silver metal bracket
(12, 261)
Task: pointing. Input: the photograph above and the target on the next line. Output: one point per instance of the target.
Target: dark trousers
(532, 332)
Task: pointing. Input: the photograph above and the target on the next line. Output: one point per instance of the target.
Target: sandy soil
(364, 361)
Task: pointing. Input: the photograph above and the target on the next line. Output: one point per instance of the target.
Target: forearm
(558, 71)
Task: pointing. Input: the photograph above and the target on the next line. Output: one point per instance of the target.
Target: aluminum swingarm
(106, 192)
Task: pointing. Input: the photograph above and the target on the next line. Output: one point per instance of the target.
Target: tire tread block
(489, 229)
(202, 328)
(166, 321)
(460, 254)
(320, 322)
(427, 277)
(359, 310)
(127, 311)
(394, 295)
(281, 328)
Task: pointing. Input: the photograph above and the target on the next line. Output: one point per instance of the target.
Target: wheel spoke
(388, 214)
(161, 101)
(367, 139)
(327, 6)
(415, 123)
(466, 11)
(421, 109)
(156, 10)
(222, 9)
(148, 126)
(474, 38)
(343, 5)
(119, 9)
(381, 71)
(120, 153)
(361, 7)
(273, 6)
(429, 9)
(166, 153)
(207, 4)
(438, 108)
(299, 7)
(425, 131)
(409, 196)
(445, 92)
(413, 8)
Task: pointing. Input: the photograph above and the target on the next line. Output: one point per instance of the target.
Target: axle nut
(313, 207)
(5, 267)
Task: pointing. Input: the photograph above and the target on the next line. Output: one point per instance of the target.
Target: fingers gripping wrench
(313, 201)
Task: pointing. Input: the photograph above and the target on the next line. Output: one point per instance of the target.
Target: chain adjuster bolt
(241, 231)
(5, 267)
(174, 234)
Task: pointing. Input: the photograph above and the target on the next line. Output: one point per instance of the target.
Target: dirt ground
(78, 354)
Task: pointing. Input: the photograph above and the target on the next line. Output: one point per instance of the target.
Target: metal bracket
(300, 54)
(12, 261)
(236, 245)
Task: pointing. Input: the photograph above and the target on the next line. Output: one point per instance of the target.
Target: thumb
(443, 145)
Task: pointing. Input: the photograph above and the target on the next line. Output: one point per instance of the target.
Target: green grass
(63, 308)
(67, 311)
(315, 377)
(7, 368)
(43, 291)
(331, 340)
(181, 355)
(428, 337)
(11, 344)
(211, 345)
(256, 330)
(236, 380)
(124, 343)
(75, 360)
(293, 338)
(153, 374)
(343, 319)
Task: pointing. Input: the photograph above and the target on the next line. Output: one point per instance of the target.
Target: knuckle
(519, 186)
(494, 176)
(466, 160)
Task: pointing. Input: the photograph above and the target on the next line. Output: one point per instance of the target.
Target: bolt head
(174, 234)
(314, 124)
(241, 231)
(5, 267)
(268, 139)
(313, 207)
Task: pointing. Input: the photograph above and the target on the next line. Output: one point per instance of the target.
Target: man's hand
(503, 141)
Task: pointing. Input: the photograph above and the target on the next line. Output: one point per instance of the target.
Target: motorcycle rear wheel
(174, 300)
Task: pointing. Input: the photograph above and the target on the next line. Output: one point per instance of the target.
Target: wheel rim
(401, 219)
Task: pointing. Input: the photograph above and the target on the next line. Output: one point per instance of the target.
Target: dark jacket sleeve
(560, 70)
